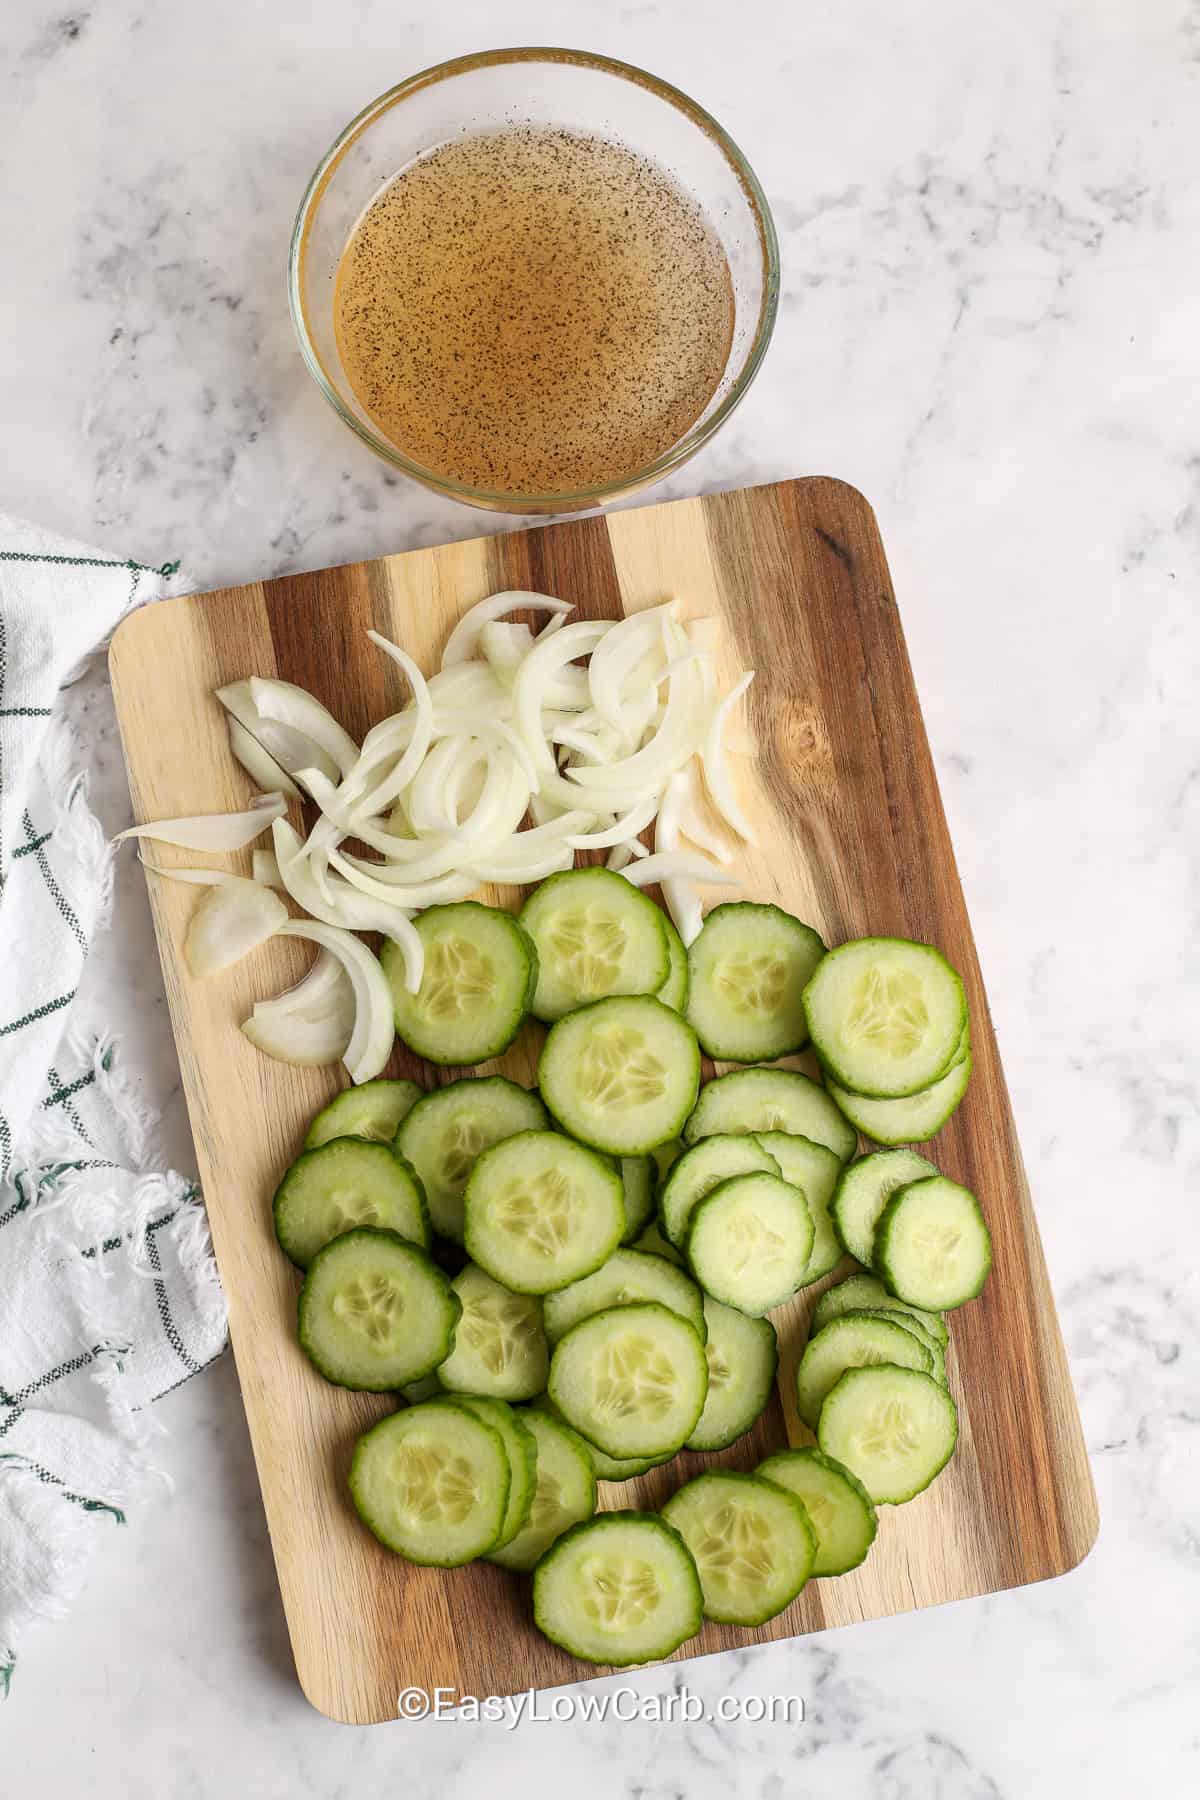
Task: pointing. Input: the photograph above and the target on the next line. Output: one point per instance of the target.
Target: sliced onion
(690, 820)
(419, 738)
(212, 831)
(613, 661)
(340, 904)
(230, 921)
(683, 903)
(367, 879)
(289, 748)
(716, 771)
(462, 643)
(311, 1024)
(502, 647)
(672, 865)
(627, 826)
(537, 671)
(295, 706)
(264, 868)
(518, 870)
(675, 741)
(619, 857)
(374, 1030)
(193, 877)
(266, 774)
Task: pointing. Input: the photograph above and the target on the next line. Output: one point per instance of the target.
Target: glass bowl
(565, 88)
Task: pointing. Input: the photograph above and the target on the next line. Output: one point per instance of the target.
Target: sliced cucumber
(637, 1178)
(752, 1542)
(375, 1312)
(424, 1389)
(499, 1347)
(761, 1100)
(595, 935)
(910, 1121)
(347, 1182)
(447, 1130)
(839, 1507)
(748, 969)
(654, 1243)
(743, 1356)
(520, 1446)
(863, 1190)
(750, 1242)
(885, 1016)
(932, 1245)
(937, 1355)
(674, 990)
(479, 978)
(867, 1292)
(852, 1342)
(628, 1275)
(621, 1075)
(894, 1428)
(814, 1169)
(542, 1211)
(620, 1589)
(373, 1110)
(604, 1466)
(432, 1483)
(701, 1169)
(632, 1380)
(564, 1491)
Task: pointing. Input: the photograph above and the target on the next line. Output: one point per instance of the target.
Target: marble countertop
(989, 226)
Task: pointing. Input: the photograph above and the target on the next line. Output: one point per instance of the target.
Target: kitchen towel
(108, 1293)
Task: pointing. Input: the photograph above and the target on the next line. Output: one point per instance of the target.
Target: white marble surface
(989, 222)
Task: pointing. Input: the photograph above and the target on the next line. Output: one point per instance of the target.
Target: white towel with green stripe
(108, 1293)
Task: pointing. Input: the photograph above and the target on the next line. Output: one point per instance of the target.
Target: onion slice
(463, 643)
(269, 776)
(374, 1029)
(310, 1024)
(231, 920)
(295, 706)
(683, 903)
(193, 877)
(264, 868)
(212, 831)
(677, 865)
(716, 770)
(291, 749)
(536, 674)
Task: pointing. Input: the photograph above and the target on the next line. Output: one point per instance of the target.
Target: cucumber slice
(748, 969)
(632, 1380)
(814, 1170)
(432, 1483)
(743, 1356)
(564, 1491)
(499, 1345)
(932, 1245)
(910, 1121)
(937, 1355)
(701, 1169)
(637, 1178)
(475, 993)
(628, 1275)
(653, 1243)
(839, 1507)
(894, 1428)
(761, 1100)
(621, 1075)
(542, 1211)
(373, 1110)
(604, 1466)
(674, 990)
(752, 1542)
(863, 1190)
(620, 1589)
(424, 1389)
(347, 1182)
(867, 1292)
(520, 1446)
(852, 1342)
(885, 1016)
(375, 1312)
(447, 1130)
(595, 935)
(750, 1242)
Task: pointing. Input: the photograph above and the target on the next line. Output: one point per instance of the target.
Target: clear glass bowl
(568, 88)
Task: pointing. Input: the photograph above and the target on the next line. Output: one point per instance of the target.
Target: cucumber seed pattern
(618, 1592)
(547, 1501)
(889, 1012)
(499, 1328)
(457, 976)
(752, 982)
(633, 1376)
(539, 1209)
(372, 1305)
(348, 1210)
(732, 1548)
(616, 1069)
(936, 1244)
(889, 1431)
(718, 1368)
(432, 1484)
(588, 944)
(752, 1242)
(462, 1142)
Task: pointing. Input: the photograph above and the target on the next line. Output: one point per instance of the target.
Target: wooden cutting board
(853, 839)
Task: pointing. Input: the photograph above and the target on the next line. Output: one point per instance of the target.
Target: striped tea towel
(108, 1294)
